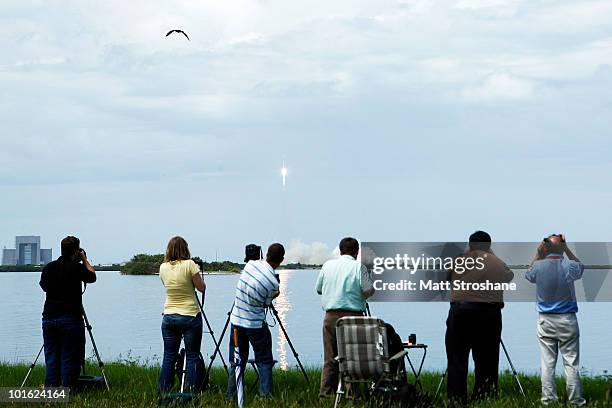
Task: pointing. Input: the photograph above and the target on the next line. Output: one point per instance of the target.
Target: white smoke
(313, 254)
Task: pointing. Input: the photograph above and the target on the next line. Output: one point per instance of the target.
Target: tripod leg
(218, 346)
(32, 365)
(184, 373)
(512, 367)
(212, 334)
(95, 348)
(439, 388)
(295, 353)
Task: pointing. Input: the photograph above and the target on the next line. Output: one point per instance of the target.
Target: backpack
(395, 346)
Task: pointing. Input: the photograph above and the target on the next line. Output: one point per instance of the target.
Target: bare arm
(92, 272)
(570, 254)
(88, 266)
(540, 253)
(198, 282)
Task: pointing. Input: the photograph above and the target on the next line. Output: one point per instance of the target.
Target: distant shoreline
(282, 268)
(206, 273)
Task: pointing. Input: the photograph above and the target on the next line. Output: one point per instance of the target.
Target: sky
(406, 120)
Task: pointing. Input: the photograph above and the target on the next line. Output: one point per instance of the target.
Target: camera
(252, 252)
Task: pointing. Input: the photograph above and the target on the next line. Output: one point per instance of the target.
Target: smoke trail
(315, 253)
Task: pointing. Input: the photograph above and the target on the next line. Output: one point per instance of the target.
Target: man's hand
(563, 242)
(83, 256)
(566, 249)
(540, 253)
(541, 250)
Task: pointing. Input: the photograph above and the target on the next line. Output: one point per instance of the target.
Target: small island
(145, 264)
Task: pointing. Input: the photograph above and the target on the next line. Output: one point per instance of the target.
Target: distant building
(27, 252)
(46, 256)
(9, 256)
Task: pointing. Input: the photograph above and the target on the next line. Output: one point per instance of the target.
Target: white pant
(560, 333)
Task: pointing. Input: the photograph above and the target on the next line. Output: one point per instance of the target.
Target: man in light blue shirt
(344, 285)
(558, 331)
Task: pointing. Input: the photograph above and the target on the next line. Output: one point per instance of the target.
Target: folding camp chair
(363, 356)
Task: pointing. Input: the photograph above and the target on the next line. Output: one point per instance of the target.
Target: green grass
(134, 385)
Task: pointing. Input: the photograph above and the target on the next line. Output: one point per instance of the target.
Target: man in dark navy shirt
(62, 323)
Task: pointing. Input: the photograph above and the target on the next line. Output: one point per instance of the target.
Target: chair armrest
(399, 355)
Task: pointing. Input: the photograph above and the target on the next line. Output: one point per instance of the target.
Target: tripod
(212, 334)
(93, 344)
(514, 373)
(295, 353)
(282, 327)
(95, 348)
(218, 346)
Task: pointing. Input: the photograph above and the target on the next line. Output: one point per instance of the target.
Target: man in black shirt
(62, 323)
(475, 323)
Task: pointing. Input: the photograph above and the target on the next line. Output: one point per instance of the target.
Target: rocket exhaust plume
(284, 173)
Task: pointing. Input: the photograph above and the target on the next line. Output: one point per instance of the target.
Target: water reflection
(283, 305)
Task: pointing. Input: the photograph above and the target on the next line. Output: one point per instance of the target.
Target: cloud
(500, 87)
(247, 39)
(95, 99)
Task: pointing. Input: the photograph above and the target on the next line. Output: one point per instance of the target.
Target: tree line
(145, 264)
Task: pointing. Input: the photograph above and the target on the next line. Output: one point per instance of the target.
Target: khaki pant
(560, 333)
(329, 375)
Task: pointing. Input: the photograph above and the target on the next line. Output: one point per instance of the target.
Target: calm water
(125, 312)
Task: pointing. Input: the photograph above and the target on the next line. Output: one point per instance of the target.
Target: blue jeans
(261, 341)
(174, 327)
(64, 342)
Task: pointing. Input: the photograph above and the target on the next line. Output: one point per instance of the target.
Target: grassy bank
(135, 386)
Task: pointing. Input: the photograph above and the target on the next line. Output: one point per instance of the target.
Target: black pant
(475, 327)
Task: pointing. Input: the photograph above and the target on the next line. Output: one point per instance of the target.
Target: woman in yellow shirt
(181, 318)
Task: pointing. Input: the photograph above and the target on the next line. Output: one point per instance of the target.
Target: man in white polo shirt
(257, 286)
(344, 285)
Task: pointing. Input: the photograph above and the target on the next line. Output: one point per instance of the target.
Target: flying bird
(178, 31)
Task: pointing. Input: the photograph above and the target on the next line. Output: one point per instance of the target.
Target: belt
(343, 311)
(477, 305)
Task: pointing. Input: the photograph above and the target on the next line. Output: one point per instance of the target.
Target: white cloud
(498, 87)
(269, 68)
(248, 39)
(490, 8)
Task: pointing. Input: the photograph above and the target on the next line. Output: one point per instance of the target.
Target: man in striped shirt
(257, 287)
